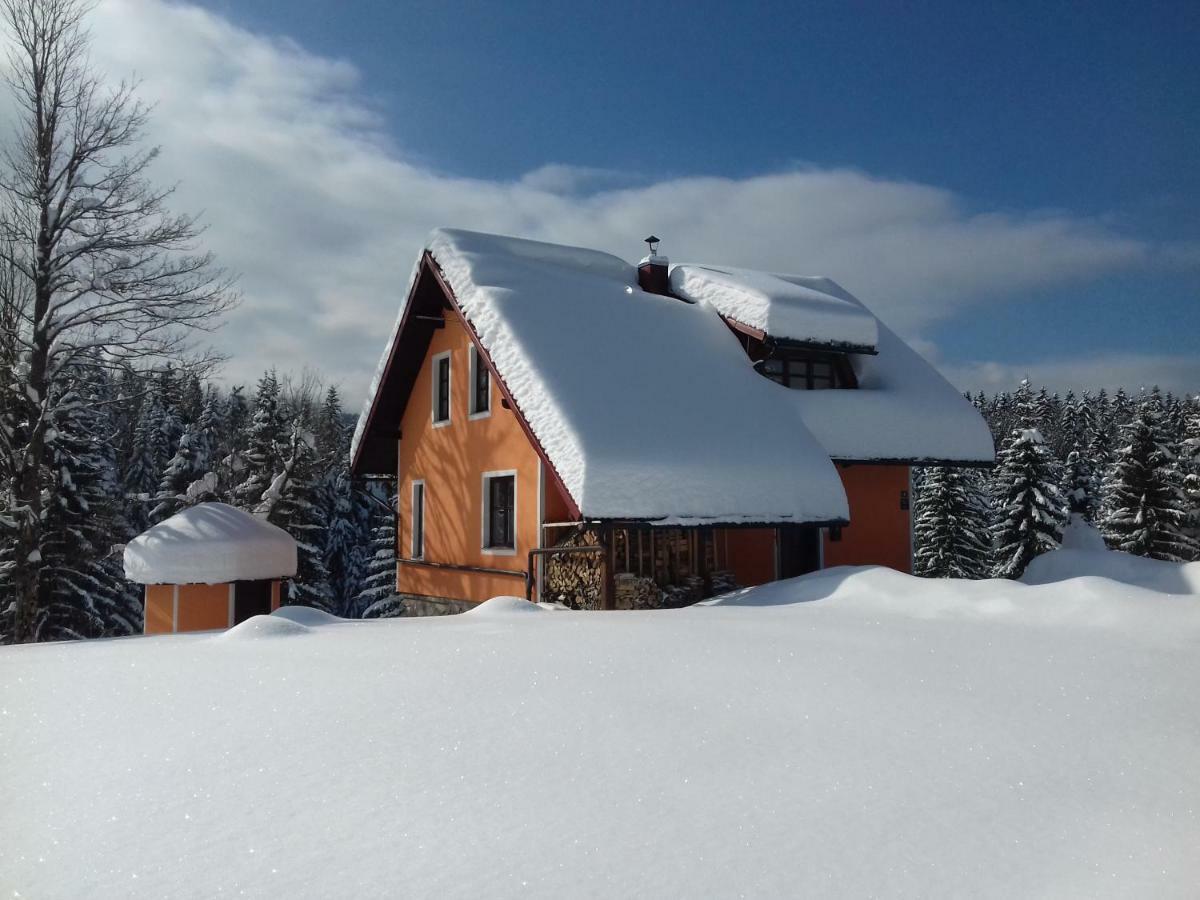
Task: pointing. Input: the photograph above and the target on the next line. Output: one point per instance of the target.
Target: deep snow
(853, 733)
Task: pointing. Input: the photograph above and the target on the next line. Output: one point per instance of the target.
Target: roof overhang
(376, 454)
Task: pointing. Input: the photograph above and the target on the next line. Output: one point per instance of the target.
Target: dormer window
(808, 371)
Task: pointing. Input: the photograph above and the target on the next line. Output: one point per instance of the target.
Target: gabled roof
(647, 407)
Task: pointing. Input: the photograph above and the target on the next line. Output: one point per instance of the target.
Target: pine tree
(259, 462)
(377, 595)
(1028, 501)
(1080, 486)
(331, 435)
(190, 477)
(950, 530)
(84, 591)
(291, 502)
(151, 446)
(341, 536)
(1145, 510)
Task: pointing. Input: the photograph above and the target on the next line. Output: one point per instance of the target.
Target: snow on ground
(1084, 555)
(853, 733)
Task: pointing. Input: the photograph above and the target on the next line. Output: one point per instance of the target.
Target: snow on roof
(791, 307)
(903, 409)
(641, 402)
(210, 543)
(649, 409)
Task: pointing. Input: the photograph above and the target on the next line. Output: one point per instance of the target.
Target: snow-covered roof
(210, 543)
(649, 408)
(641, 402)
(790, 307)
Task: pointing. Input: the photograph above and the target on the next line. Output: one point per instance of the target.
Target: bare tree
(98, 271)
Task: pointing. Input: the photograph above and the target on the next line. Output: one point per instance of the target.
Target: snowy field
(852, 733)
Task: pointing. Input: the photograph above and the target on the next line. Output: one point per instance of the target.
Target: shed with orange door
(209, 567)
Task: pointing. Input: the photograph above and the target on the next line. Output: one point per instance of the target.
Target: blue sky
(1071, 130)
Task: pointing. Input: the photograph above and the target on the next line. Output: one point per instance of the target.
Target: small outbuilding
(210, 566)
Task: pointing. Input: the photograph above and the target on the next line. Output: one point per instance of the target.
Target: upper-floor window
(441, 388)
(481, 385)
(808, 372)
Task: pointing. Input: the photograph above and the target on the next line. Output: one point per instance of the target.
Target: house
(209, 566)
(559, 421)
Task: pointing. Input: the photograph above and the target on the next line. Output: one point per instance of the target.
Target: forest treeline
(1129, 466)
(130, 449)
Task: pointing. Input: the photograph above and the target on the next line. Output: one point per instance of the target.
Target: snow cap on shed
(210, 543)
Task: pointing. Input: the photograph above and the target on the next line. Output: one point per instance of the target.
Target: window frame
(477, 365)
(417, 525)
(486, 513)
(436, 361)
(799, 371)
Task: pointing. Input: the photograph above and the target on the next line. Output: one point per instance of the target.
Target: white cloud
(306, 196)
(1132, 371)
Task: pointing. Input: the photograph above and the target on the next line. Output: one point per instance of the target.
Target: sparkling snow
(210, 543)
(853, 733)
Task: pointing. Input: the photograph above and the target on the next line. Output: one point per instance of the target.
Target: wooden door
(799, 550)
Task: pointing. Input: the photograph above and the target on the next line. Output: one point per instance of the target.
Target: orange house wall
(451, 459)
(880, 531)
(748, 552)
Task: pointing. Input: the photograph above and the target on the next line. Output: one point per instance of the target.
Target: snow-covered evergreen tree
(377, 594)
(84, 592)
(1080, 484)
(259, 462)
(190, 477)
(1189, 464)
(152, 450)
(950, 529)
(1145, 510)
(292, 502)
(1029, 504)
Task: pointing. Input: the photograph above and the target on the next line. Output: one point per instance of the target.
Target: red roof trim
(572, 505)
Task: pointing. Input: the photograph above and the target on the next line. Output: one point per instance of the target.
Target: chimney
(652, 270)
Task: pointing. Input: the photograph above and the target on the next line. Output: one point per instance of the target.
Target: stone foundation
(420, 605)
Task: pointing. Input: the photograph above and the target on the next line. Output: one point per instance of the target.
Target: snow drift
(853, 733)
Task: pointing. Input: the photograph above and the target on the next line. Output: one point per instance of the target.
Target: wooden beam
(608, 585)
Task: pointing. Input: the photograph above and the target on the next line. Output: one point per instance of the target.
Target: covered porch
(638, 565)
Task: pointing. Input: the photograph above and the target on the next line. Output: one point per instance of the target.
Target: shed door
(799, 550)
(251, 598)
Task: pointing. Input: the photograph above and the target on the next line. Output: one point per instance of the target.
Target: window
(481, 386)
(808, 372)
(499, 511)
(441, 388)
(418, 520)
